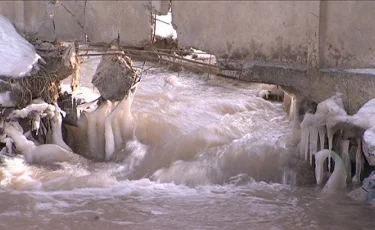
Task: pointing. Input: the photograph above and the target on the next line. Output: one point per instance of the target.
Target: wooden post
(77, 66)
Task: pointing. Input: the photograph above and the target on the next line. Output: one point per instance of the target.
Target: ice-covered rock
(368, 144)
(274, 92)
(114, 77)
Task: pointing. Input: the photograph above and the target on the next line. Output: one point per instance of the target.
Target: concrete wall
(102, 21)
(256, 30)
(340, 33)
(347, 34)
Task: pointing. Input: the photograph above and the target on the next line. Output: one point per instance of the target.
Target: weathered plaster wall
(102, 21)
(257, 30)
(335, 34)
(14, 11)
(347, 34)
(161, 6)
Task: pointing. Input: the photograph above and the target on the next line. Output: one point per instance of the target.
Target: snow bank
(17, 55)
(164, 26)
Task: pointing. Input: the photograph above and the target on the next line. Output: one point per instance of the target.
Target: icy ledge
(331, 117)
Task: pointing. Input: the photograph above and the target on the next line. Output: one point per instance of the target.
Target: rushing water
(209, 154)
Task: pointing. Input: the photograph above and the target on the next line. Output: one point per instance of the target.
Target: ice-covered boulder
(272, 92)
(114, 77)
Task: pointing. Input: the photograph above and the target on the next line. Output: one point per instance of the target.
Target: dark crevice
(84, 22)
(83, 28)
(54, 30)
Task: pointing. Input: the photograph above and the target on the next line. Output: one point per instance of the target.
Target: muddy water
(208, 155)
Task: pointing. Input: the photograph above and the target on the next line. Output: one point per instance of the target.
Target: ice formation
(346, 158)
(337, 180)
(358, 163)
(57, 151)
(316, 125)
(263, 94)
(119, 125)
(106, 130)
(36, 110)
(37, 105)
(17, 56)
(42, 154)
(266, 91)
(96, 125)
(56, 125)
(331, 117)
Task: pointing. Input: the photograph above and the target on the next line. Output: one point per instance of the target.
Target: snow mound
(17, 55)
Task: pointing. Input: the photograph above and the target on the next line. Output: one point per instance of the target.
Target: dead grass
(43, 84)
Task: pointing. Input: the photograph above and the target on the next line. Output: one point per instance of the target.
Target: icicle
(119, 125)
(127, 123)
(96, 131)
(109, 137)
(358, 163)
(345, 157)
(313, 133)
(113, 126)
(304, 147)
(91, 132)
(116, 128)
(322, 136)
(105, 109)
(330, 133)
(57, 138)
(35, 124)
(304, 126)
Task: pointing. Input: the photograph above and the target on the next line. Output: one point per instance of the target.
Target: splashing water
(208, 154)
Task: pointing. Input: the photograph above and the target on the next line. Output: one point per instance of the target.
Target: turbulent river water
(209, 154)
